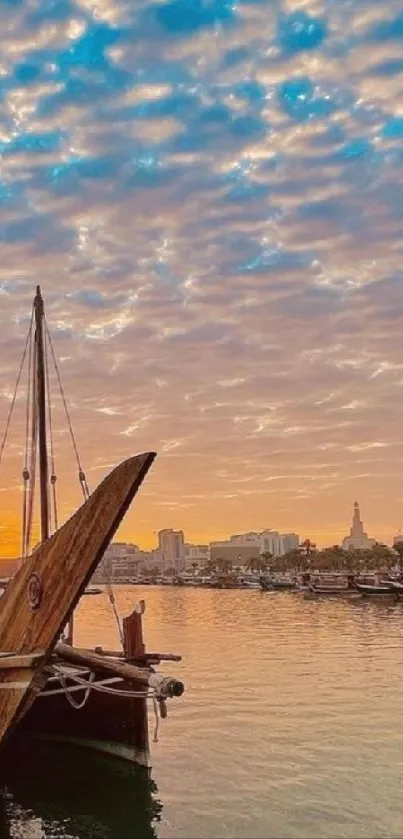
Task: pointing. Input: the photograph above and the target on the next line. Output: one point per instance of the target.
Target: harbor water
(290, 726)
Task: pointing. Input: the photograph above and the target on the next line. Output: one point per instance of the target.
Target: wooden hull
(108, 724)
(375, 591)
(397, 588)
(44, 592)
(277, 585)
(334, 591)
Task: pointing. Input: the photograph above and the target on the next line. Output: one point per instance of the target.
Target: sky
(209, 193)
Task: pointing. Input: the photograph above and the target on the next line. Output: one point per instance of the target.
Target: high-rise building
(171, 547)
(357, 538)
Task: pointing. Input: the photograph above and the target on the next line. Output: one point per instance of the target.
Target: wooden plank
(9, 660)
(38, 602)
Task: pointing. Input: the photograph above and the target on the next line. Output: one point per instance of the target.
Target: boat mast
(41, 408)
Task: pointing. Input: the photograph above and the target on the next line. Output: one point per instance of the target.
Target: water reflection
(52, 792)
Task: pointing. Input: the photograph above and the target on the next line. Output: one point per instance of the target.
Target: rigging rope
(31, 441)
(53, 477)
(10, 413)
(111, 596)
(25, 473)
(32, 465)
(81, 475)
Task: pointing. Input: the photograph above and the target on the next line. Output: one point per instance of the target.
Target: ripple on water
(290, 725)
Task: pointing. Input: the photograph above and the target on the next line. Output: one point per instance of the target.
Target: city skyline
(213, 214)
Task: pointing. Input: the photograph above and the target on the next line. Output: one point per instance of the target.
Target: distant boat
(335, 585)
(375, 585)
(277, 583)
(376, 590)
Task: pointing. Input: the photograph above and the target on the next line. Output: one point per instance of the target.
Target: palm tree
(398, 548)
(292, 560)
(266, 557)
(383, 556)
(219, 564)
(256, 563)
(307, 547)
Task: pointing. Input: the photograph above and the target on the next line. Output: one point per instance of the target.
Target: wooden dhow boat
(376, 589)
(331, 585)
(48, 687)
(277, 583)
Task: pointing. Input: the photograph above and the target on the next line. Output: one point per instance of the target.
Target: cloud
(209, 196)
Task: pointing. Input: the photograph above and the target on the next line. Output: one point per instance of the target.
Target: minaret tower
(357, 538)
(357, 528)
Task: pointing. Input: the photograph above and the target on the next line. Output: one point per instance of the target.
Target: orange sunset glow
(253, 429)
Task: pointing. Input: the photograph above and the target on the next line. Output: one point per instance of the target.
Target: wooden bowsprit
(42, 595)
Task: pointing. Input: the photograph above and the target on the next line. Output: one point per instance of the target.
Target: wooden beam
(97, 662)
(144, 657)
(127, 671)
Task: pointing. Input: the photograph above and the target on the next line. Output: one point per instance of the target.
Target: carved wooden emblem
(34, 591)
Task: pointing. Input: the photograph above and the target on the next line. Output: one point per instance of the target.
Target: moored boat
(334, 585)
(375, 585)
(277, 583)
(48, 687)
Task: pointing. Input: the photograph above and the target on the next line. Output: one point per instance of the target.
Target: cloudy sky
(210, 194)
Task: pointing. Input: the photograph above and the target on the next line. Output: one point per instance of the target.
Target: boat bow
(41, 597)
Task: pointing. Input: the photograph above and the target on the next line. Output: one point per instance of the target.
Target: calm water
(291, 726)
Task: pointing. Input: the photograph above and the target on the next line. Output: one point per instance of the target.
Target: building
(241, 548)
(278, 544)
(120, 563)
(237, 550)
(289, 542)
(171, 548)
(196, 557)
(357, 538)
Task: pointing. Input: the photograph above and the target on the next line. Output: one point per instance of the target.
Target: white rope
(70, 699)
(111, 597)
(102, 688)
(70, 688)
(89, 684)
(157, 720)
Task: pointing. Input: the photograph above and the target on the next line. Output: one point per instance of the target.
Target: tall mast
(41, 406)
